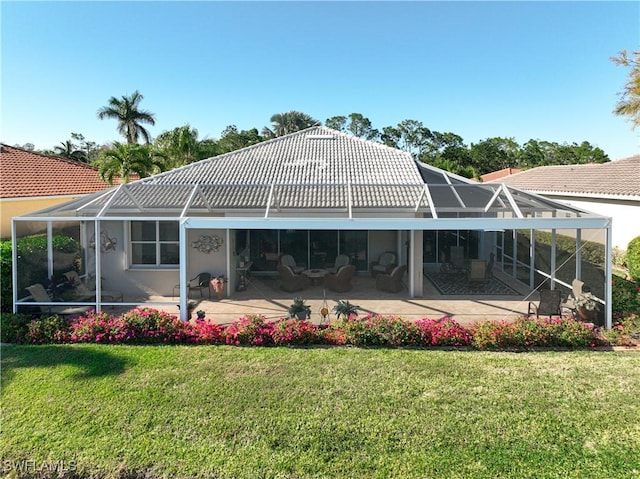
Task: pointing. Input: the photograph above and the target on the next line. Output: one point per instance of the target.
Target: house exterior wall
(624, 214)
(11, 207)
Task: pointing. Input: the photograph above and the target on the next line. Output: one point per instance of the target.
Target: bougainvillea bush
(150, 326)
(527, 333)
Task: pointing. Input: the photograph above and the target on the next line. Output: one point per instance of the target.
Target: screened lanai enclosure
(313, 195)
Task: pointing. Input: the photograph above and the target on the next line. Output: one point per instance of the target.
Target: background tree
(337, 123)
(125, 160)
(232, 139)
(66, 149)
(360, 126)
(127, 111)
(408, 135)
(629, 103)
(289, 122)
(179, 146)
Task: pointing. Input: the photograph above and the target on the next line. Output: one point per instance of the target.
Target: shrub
(6, 288)
(441, 332)
(49, 329)
(625, 332)
(204, 331)
(148, 325)
(293, 331)
(539, 332)
(102, 327)
(633, 258)
(249, 330)
(625, 297)
(13, 327)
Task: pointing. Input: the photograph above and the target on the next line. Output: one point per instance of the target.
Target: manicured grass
(226, 411)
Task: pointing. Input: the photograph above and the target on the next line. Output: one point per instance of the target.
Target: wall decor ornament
(106, 242)
(207, 243)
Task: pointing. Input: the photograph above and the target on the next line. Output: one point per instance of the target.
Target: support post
(184, 313)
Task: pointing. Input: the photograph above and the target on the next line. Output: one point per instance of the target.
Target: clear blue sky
(479, 69)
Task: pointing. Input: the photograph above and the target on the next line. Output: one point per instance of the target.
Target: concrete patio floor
(263, 296)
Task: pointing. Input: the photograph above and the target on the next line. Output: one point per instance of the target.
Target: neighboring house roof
(25, 174)
(615, 179)
(494, 175)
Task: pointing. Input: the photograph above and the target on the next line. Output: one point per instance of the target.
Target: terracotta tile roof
(26, 174)
(494, 175)
(619, 178)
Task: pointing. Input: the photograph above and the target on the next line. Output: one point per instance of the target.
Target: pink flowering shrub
(249, 330)
(293, 331)
(204, 331)
(102, 327)
(441, 332)
(539, 332)
(149, 325)
(47, 330)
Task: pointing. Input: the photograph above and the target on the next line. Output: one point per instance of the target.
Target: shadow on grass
(89, 361)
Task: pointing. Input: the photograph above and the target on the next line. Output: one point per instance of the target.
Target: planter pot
(586, 314)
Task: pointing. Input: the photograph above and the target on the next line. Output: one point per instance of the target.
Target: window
(155, 243)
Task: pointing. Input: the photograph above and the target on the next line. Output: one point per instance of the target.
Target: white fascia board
(398, 223)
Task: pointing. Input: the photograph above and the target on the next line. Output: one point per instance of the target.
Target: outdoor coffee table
(315, 275)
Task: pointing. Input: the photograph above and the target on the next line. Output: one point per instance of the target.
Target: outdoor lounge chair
(83, 292)
(40, 295)
(341, 260)
(549, 304)
(386, 262)
(391, 282)
(290, 281)
(576, 291)
(341, 281)
(288, 260)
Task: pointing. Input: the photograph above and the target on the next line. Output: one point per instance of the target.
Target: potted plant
(217, 284)
(345, 309)
(299, 309)
(586, 306)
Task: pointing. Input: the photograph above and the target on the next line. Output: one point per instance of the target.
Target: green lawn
(322, 412)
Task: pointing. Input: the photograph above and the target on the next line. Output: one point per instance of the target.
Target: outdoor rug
(457, 284)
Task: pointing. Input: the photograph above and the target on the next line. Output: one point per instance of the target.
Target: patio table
(315, 274)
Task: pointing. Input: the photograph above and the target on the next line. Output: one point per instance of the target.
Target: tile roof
(317, 155)
(26, 174)
(619, 178)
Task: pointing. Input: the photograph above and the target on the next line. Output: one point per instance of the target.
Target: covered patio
(315, 191)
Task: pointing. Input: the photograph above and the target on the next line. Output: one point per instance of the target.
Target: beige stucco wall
(12, 207)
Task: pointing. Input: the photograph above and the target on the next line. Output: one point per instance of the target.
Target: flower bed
(151, 326)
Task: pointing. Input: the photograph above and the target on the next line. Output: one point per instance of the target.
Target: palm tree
(69, 150)
(124, 160)
(285, 123)
(180, 145)
(126, 111)
(629, 99)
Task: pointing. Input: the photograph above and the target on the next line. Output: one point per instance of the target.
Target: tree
(179, 146)
(629, 103)
(232, 139)
(124, 160)
(127, 111)
(408, 135)
(70, 151)
(289, 122)
(494, 154)
(360, 126)
(337, 122)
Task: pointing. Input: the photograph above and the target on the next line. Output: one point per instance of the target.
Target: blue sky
(478, 69)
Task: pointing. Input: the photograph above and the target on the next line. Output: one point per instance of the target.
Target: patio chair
(341, 260)
(290, 281)
(477, 271)
(457, 257)
(549, 304)
(288, 260)
(489, 272)
(40, 295)
(386, 262)
(83, 292)
(200, 283)
(391, 282)
(340, 282)
(576, 291)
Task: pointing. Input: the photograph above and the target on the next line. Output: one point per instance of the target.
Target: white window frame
(158, 243)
